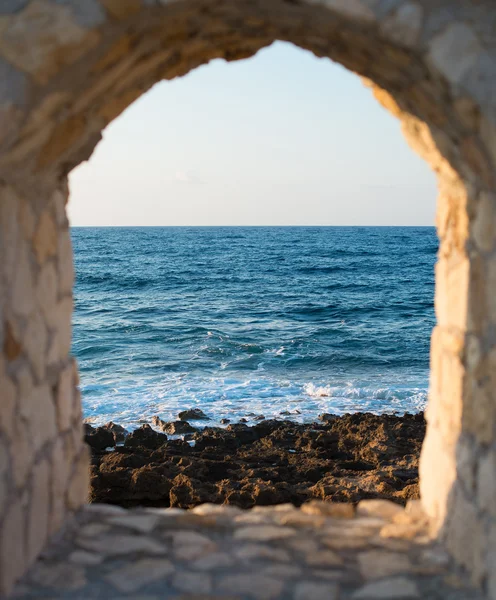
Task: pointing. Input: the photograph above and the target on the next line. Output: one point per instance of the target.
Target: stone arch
(68, 68)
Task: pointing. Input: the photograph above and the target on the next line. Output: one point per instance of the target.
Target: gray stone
(213, 560)
(132, 576)
(384, 509)
(264, 533)
(310, 590)
(59, 576)
(455, 51)
(88, 14)
(9, 7)
(376, 564)
(192, 583)
(263, 552)
(258, 587)
(323, 558)
(139, 523)
(396, 587)
(81, 557)
(14, 83)
(120, 544)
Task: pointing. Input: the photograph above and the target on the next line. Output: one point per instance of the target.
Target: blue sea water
(252, 320)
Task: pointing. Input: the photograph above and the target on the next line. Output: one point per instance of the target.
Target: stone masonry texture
(68, 68)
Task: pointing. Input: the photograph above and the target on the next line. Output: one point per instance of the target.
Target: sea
(285, 322)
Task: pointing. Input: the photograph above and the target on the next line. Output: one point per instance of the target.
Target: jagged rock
(225, 421)
(173, 427)
(326, 417)
(117, 431)
(145, 437)
(98, 438)
(193, 414)
(353, 457)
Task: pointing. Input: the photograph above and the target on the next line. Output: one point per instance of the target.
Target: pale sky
(283, 138)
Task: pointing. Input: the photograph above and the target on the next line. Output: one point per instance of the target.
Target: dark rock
(326, 417)
(243, 420)
(193, 414)
(117, 431)
(259, 418)
(173, 427)
(145, 437)
(225, 421)
(99, 438)
(350, 458)
(285, 413)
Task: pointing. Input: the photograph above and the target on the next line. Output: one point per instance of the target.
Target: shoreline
(341, 459)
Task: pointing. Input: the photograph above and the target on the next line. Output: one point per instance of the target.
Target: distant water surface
(262, 320)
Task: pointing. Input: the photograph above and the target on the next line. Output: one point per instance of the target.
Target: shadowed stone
(133, 576)
(309, 590)
(264, 534)
(393, 588)
(8, 7)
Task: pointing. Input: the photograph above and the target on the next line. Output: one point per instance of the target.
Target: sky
(282, 138)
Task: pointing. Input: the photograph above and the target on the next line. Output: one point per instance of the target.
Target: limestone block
(8, 400)
(455, 51)
(484, 223)
(4, 473)
(352, 9)
(437, 475)
(260, 587)
(65, 263)
(376, 564)
(63, 138)
(465, 536)
(65, 389)
(45, 238)
(131, 577)
(62, 459)
(35, 343)
(12, 549)
(46, 294)
(23, 284)
(479, 411)
(404, 24)
(43, 38)
(486, 484)
(21, 453)
(305, 590)
(466, 455)
(38, 411)
(192, 583)
(475, 161)
(39, 510)
(490, 562)
(395, 587)
(9, 7)
(59, 202)
(9, 231)
(490, 287)
(80, 481)
(384, 509)
(12, 99)
(61, 340)
(48, 109)
(488, 135)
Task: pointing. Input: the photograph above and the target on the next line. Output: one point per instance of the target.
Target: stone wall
(43, 462)
(67, 68)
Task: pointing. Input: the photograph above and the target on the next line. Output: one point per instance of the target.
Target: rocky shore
(342, 459)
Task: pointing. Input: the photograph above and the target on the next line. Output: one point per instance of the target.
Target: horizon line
(231, 226)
